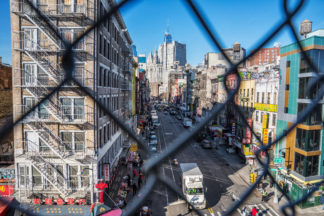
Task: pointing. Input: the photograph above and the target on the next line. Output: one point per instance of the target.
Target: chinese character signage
(264, 121)
(233, 128)
(107, 172)
(265, 136)
(265, 107)
(7, 190)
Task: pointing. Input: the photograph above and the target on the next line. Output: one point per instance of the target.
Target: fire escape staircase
(31, 15)
(42, 165)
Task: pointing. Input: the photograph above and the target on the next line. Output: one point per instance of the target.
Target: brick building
(264, 56)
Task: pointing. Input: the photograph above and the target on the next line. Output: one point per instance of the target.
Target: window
(288, 64)
(37, 178)
(248, 93)
(73, 171)
(73, 108)
(274, 119)
(306, 166)
(314, 118)
(286, 110)
(308, 140)
(23, 176)
(262, 97)
(275, 98)
(287, 87)
(256, 116)
(268, 98)
(84, 176)
(104, 47)
(72, 34)
(258, 96)
(244, 93)
(73, 141)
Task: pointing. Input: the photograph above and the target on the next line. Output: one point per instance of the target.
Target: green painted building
(302, 149)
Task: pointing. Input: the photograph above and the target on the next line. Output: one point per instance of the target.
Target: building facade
(264, 56)
(67, 143)
(301, 152)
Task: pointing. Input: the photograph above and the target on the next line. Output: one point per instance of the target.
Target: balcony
(53, 10)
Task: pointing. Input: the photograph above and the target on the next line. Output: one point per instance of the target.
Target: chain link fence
(153, 163)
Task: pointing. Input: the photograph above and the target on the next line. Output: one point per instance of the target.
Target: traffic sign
(278, 160)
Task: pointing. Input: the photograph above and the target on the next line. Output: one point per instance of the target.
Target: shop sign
(264, 121)
(248, 133)
(59, 210)
(265, 107)
(134, 147)
(7, 174)
(265, 136)
(7, 190)
(278, 160)
(107, 177)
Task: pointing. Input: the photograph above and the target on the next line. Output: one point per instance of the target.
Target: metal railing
(153, 163)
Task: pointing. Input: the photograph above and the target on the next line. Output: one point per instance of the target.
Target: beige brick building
(67, 144)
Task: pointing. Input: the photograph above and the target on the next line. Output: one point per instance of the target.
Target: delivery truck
(192, 184)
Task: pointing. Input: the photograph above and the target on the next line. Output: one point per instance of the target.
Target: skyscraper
(160, 63)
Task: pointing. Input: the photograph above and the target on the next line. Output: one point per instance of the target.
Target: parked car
(200, 137)
(187, 122)
(206, 144)
(179, 117)
(153, 139)
(152, 148)
(152, 132)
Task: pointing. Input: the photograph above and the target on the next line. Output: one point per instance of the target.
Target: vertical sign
(265, 136)
(107, 172)
(264, 121)
(248, 132)
(233, 128)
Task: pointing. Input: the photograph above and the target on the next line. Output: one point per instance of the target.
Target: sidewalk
(242, 177)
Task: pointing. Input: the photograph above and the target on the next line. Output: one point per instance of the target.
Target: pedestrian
(139, 182)
(264, 195)
(128, 179)
(134, 188)
(243, 212)
(254, 211)
(134, 173)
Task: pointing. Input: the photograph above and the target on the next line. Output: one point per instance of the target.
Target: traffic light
(255, 176)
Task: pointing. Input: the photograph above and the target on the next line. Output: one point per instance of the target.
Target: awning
(115, 212)
(4, 206)
(229, 134)
(237, 144)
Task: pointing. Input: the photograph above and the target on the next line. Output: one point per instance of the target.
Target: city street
(219, 180)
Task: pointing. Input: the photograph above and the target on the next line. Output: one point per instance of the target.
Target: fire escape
(42, 52)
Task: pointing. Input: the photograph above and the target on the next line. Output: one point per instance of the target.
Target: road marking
(211, 211)
(168, 133)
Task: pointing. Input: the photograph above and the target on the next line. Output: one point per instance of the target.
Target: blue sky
(233, 20)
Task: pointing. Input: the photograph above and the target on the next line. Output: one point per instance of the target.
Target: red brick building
(265, 55)
(5, 76)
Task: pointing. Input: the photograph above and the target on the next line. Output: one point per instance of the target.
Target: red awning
(4, 207)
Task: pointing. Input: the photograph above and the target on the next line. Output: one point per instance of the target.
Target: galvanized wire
(153, 163)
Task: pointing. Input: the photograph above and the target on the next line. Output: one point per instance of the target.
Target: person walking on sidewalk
(139, 181)
(134, 172)
(134, 188)
(264, 195)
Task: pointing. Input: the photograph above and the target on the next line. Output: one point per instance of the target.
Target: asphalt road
(215, 171)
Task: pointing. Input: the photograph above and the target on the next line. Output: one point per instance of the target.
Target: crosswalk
(263, 209)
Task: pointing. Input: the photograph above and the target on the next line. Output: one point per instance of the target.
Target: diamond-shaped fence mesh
(151, 166)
